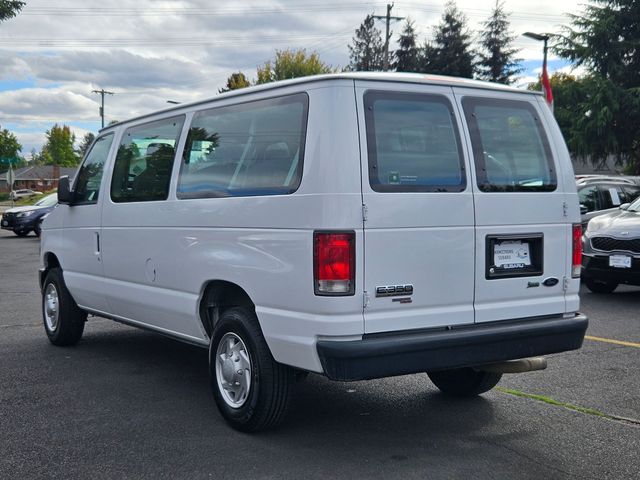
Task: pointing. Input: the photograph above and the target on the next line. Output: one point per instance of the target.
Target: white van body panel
(513, 213)
(418, 238)
(263, 244)
(155, 259)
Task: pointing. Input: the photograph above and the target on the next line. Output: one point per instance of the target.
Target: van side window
(142, 169)
(413, 143)
(510, 148)
(255, 148)
(89, 176)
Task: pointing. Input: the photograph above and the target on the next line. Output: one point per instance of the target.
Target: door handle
(97, 252)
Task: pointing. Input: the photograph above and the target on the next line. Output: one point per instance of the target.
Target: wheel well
(50, 261)
(218, 296)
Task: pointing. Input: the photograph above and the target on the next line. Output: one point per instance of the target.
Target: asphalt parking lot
(126, 403)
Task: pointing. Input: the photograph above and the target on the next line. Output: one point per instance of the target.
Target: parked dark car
(604, 193)
(22, 220)
(611, 249)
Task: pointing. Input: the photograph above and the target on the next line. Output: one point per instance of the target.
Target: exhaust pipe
(515, 366)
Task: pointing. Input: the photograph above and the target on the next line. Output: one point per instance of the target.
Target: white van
(353, 225)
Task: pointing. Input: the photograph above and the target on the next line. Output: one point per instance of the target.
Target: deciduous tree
(9, 145)
(291, 64)
(234, 82)
(58, 148)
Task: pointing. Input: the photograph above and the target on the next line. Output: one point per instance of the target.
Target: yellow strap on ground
(609, 340)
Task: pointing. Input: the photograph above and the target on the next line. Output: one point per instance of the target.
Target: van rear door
(419, 228)
(522, 231)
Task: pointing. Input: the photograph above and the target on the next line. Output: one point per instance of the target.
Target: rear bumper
(399, 353)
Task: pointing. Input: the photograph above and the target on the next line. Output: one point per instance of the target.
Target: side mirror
(583, 209)
(64, 191)
(624, 206)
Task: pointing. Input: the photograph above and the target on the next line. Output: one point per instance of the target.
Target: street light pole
(544, 78)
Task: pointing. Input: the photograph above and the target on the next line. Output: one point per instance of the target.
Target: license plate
(620, 261)
(511, 254)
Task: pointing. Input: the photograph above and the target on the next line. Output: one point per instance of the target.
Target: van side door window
(143, 165)
(89, 176)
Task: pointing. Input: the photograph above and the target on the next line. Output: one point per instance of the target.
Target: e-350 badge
(394, 291)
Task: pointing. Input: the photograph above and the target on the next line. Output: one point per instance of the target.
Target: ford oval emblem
(550, 282)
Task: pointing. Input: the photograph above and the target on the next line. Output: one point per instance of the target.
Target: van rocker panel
(400, 353)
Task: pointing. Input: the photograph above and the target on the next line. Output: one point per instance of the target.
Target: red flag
(546, 86)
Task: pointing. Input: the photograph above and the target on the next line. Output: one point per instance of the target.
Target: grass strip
(568, 406)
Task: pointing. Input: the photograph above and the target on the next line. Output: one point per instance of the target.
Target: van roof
(426, 79)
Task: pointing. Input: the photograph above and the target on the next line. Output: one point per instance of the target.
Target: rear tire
(600, 286)
(63, 319)
(464, 382)
(251, 389)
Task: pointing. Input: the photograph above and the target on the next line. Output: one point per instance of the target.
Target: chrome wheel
(233, 370)
(51, 307)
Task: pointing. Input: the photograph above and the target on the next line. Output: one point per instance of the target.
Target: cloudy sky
(149, 51)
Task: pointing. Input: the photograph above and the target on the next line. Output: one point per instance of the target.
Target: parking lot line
(610, 340)
(568, 406)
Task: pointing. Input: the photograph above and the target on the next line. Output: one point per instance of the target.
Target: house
(41, 178)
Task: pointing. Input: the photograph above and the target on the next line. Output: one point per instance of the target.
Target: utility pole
(102, 93)
(387, 36)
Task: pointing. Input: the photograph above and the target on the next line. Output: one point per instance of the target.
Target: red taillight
(334, 263)
(576, 264)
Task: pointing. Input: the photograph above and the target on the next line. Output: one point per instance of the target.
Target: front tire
(63, 319)
(600, 286)
(251, 389)
(464, 382)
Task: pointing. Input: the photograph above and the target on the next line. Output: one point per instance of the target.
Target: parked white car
(25, 192)
(352, 225)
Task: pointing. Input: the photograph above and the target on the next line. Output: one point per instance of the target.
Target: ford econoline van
(357, 225)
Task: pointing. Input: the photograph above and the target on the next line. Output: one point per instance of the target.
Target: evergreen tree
(407, 57)
(366, 53)
(497, 62)
(291, 64)
(58, 149)
(87, 140)
(450, 53)
(605, 40)
(234, 82)
(10, 8)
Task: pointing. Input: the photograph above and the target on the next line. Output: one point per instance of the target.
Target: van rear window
(413, 143)
(510, 149)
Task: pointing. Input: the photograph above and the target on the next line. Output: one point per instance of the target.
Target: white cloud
(149, 51)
